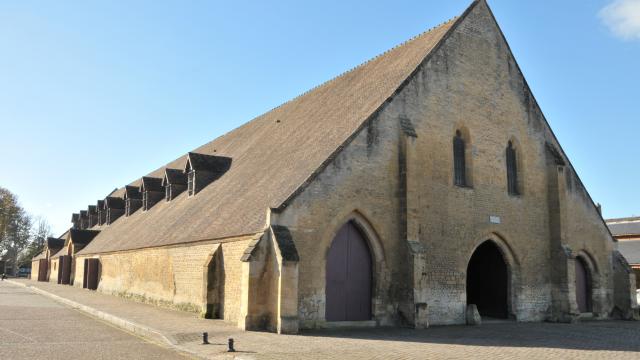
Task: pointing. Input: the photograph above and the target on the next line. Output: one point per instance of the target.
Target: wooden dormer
(201, 170)
(174, 183)
(100, 211)
(152, 191)
(132, 199)
(92, 214)
(114, 208)
(84, 219)
(75, 220)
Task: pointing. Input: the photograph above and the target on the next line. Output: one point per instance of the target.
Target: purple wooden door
(85, 278)
(582, 287)
(93, 272)
(42, 269)
(65, 269)
(348, 276)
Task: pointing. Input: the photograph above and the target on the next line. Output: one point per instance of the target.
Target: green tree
(15, 229)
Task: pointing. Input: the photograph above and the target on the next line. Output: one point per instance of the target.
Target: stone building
(627, 232)
(418, 185)
(41, 263)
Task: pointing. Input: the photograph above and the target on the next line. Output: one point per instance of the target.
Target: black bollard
(205, 338)
(231, 349)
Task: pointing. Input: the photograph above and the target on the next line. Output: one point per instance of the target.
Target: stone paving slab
(587, 340)
(36, 327)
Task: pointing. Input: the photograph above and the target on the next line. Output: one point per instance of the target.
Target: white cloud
(623, 18)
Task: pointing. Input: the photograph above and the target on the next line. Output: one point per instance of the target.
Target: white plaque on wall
(494, 219)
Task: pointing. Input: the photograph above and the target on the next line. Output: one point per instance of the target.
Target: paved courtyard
(33, 326)
(588, 340)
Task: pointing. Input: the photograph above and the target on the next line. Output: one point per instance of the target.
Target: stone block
(473, 316)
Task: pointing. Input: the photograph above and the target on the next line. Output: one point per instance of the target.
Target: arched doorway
(583, 286)
(488, 281)
(215, 286)
(348, 276)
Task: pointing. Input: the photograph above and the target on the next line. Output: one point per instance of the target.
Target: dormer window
(92, 213)
(75, 220)
(145, 201)
(152, 191)
(202, 169)
(84, 219)
(102, 214)
(132, 200)
(190, 182)
(114, 208)
(174, 183)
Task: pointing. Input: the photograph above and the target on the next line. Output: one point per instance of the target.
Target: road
(35, 327)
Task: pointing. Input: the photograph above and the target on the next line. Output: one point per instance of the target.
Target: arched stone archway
(349, 276)
(214, 280)
(488, 281)
(584, 287)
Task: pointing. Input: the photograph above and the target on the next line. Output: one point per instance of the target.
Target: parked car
(24, 272)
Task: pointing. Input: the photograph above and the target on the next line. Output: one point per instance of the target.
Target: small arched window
(512, 170)
(459, 161)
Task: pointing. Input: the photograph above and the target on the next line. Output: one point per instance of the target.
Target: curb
(130, 326)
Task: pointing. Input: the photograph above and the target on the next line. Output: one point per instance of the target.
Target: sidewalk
(178, 329)
(183, 331)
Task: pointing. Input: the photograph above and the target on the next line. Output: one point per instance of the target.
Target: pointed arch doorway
(348, 276)
(583, 286)
(488, 281)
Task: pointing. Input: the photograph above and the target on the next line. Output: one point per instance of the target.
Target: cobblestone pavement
(507, 340)
(33, 326)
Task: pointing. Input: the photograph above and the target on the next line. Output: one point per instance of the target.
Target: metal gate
(348, 277)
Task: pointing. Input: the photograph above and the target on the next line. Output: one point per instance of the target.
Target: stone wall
(54, 267)
(422, 228)
(626, 304)
(172, 276)
(35, 268)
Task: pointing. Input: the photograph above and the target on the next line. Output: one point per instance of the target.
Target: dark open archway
(348, 276)
(488, 281)
(215, 279)
(583, 286)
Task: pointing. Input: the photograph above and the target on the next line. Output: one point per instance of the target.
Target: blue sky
(96, 94)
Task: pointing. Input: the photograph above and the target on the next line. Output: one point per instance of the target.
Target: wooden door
(93, 273)
(42, 269)
(85, 274)
(348, 277)
(65, 269)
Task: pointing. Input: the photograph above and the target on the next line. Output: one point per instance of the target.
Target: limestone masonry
(423, 187)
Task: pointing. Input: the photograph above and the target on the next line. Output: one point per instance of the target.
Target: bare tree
(40, 231)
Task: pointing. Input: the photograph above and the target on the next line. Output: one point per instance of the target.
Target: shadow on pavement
(594, 335)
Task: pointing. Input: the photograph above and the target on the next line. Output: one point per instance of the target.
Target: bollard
(205, 338)
(231, 349)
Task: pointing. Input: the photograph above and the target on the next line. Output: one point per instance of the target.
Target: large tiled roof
(624, 226)
(630, 249)
(272, 156)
